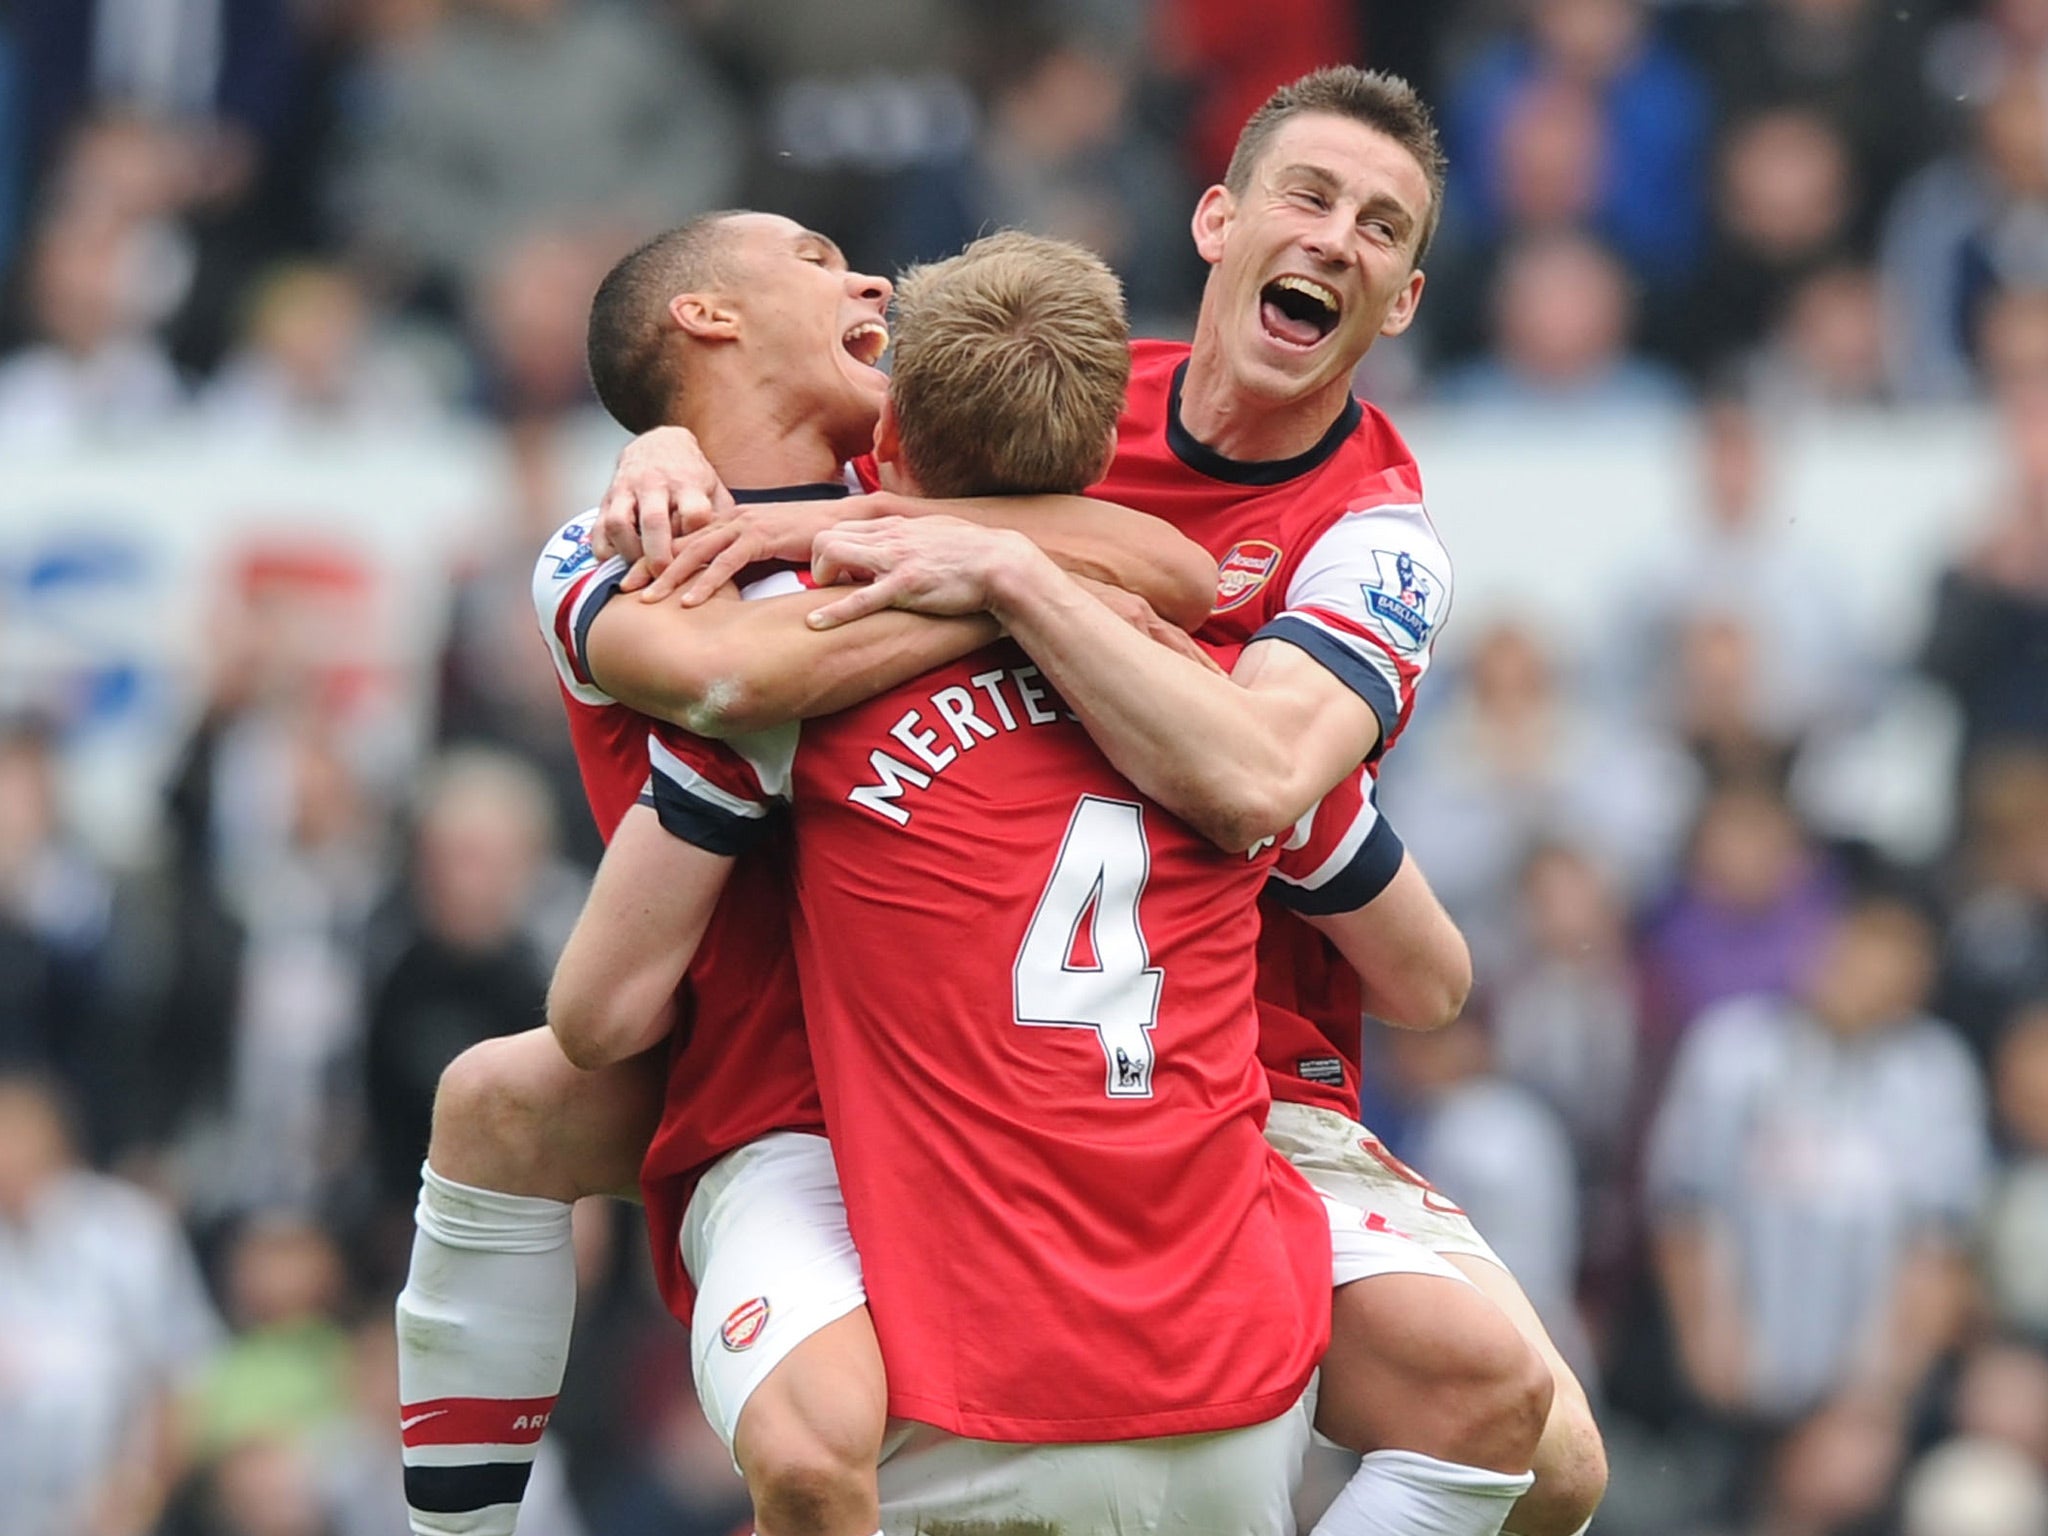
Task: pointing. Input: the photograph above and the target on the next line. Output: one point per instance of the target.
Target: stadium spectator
(94, 368)
(106, 1320)
(313, 356)
(286, 1370)
(466, 963)
(1503, 1155)
(1827, 348)
(525, 323)
(56, 908)
(1565, 1004)
(1997, 941)
(1782, 208)
(1990, 632)
(1960, 231)
(1549, 177)
(2016, 1231)
(511, 114)
(1855, 63)
(1752, 906)
(1063, 153)
(1516, 761)
(1812, 1273)
(1654, 113)
(1563, 321)
(853, 106)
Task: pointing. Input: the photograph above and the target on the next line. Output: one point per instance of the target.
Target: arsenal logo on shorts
(1240, 574)
(743, 1324)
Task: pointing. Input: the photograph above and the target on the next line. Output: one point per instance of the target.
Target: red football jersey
(739, 1065)
(1029, 995)
(1331, 551)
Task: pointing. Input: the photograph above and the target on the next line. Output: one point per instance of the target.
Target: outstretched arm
(1239, 758)
(614, 987)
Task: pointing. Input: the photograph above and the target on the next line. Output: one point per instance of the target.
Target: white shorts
(1384, 1219)
(1239, 1482)
(764, 1239)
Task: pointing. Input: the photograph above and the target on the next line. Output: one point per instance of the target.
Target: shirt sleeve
(705, 793)
(1367, 600)
(570, 587)
(1340, 856)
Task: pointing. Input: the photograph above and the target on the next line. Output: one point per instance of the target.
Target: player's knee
(1571, 1474)
(803, 1485)
(1509, 1390)
(494, 1118)
(1430, 1365)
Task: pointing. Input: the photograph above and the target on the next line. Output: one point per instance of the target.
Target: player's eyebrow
(1380, 205)
(1302, 171)
(828, 247)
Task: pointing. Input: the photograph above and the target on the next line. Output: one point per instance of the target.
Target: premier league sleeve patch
(1407, 599)
(570, 551)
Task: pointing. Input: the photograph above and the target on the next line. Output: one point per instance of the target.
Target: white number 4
(1083, 963)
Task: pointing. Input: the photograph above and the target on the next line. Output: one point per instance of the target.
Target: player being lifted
(1451, 1389)
(1030, 999)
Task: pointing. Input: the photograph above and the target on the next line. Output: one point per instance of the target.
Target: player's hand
(935, 565)
(706, 560)
(662, 489)
(1144, 618)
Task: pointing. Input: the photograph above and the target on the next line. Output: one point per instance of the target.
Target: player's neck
(1247, 427)
(754, 450)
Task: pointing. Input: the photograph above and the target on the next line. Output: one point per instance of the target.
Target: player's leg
(1430, 1383)
(1343, 1159)
(483, 1322)
(785, 1357)
(1571, 1460)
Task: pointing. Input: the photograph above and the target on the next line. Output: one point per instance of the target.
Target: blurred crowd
(1753, 1094)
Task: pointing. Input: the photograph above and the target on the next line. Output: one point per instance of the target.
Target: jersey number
(1083, 963)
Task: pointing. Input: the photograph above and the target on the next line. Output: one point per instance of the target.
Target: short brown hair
(1011, 363)
(635, 374)
(1385, 103)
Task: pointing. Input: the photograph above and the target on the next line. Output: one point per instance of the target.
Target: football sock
(1404, 1493)
(483, 1339)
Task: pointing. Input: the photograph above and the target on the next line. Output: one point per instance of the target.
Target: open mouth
(865, 343)
(1299, 310)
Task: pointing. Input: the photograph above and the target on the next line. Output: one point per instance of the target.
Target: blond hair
(1011, 364)
(1385, 103)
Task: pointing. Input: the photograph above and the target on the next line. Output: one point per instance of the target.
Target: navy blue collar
(1203, 459)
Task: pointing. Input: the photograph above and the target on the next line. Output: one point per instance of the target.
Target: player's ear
(888, 442)
(704, 316)
(1401, 314)
(1212, 218)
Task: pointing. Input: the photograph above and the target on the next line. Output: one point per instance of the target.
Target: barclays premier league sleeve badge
(1407, 599)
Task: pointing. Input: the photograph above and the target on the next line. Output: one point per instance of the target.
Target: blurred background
(1731, 393)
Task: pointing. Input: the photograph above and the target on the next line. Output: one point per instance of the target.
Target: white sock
(1404, 1493)
(483, 1339)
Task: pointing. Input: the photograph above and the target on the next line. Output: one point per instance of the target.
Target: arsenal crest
(743, 1324)
(1240, 573)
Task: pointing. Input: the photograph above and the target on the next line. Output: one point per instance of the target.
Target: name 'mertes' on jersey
(1029, 995)
(739, 1066)
(1333, 552)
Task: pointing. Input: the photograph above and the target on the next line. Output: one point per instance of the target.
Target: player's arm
(1346, 872)
(1239, 758)
(732, 667)
(667, 514)
(614, 987)
(1413, 964)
